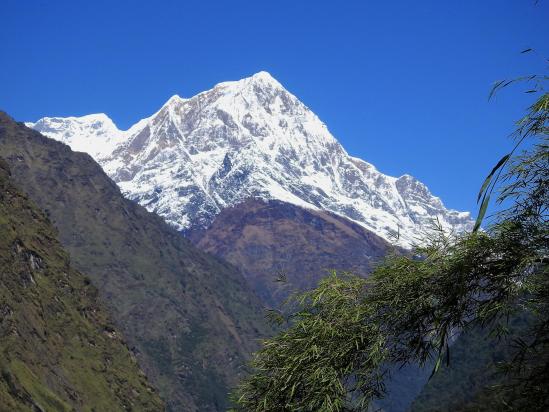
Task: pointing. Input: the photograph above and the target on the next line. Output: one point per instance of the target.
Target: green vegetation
(331, 350)
(189, 318)
(58, 348)
(472, 380)
(341, 335)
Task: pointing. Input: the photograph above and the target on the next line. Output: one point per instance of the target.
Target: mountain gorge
(249, 139)
(189, 318)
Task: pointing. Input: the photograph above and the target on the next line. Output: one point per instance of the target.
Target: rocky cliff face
(59, 351)
(189, 317)
(249, 139)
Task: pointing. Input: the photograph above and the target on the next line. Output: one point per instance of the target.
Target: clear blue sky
(401, 84)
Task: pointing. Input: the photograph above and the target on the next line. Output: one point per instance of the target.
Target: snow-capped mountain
(242, 139)
(95, 134)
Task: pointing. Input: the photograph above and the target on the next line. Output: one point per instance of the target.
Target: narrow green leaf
(481, 213)
(484, 186)
(495, 88)
(436, 368)
(499, 164)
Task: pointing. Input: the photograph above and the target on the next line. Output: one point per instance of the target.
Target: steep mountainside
(58, 349)
(274, 239)
(268, 239)
(249, 138)
(190, 317)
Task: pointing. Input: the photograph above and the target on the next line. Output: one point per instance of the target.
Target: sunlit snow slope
(242, 139)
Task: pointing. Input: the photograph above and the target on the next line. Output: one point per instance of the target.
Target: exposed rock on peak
(175, 163)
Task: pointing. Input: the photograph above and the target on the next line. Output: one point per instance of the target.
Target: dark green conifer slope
(190, 317)
(58, 349)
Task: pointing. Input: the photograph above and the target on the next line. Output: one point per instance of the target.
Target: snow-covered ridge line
(248, 138)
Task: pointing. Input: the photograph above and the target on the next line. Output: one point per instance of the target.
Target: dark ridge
(59, 351)
(190, 318)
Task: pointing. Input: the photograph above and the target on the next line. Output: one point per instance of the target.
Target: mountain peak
(252, 138)
(98, 122)
(264, 76)
(88, 118)
(93, 133)
(261, 79)
(95, 117)
(174, 100)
